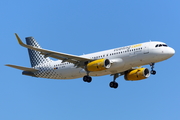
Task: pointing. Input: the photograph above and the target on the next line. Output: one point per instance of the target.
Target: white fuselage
(122, 59)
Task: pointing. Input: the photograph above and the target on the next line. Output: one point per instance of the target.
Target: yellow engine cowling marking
(98, 65)
(137, 74)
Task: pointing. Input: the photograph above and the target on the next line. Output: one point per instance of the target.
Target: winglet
(19, 40)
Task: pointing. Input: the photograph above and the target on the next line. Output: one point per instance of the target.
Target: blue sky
(78, 27)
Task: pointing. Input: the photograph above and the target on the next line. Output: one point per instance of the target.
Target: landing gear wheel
(87, 79)
(113, 84)
(153, 72)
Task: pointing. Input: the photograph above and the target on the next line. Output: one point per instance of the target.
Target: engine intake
(98, 65)
(137, 74)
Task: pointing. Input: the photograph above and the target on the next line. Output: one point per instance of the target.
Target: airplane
(122, 61)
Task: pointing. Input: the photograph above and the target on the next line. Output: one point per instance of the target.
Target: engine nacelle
(98, 65)
(137, 74)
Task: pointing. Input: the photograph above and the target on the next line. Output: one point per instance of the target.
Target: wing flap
(22, 68)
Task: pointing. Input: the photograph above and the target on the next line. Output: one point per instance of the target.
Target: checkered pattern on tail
(35, 57)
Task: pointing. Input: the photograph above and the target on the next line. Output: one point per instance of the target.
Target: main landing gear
(87, 78)
(153, 72)
(114, 84)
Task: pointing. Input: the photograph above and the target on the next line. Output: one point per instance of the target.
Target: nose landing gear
(153, 72)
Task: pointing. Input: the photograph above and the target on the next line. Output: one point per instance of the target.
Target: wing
(22, 68)
(62, 56)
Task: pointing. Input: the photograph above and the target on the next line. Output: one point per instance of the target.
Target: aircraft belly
(110, 71)
(48, 73)
(71, 73)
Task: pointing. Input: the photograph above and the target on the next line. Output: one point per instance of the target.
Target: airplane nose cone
(171, 51)
(164, 53)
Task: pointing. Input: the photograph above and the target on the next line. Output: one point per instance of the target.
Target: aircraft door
(146, 48)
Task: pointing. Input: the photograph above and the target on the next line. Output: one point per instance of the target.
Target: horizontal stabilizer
(22, 68)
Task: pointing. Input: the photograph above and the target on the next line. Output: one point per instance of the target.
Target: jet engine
(137, 74)
(98, 65)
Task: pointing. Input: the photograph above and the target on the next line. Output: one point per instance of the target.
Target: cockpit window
(164, 45)
(161, 45)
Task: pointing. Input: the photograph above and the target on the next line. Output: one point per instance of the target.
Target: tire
(153, 72)
(89, 79)
(111, 84)
(115, 85)
(85, 78)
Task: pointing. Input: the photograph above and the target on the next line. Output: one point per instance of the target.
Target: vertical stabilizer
(35, 57)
